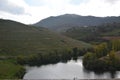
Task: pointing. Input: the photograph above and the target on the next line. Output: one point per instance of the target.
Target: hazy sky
(31, 11)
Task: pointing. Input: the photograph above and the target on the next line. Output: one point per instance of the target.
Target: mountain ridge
(66, 21)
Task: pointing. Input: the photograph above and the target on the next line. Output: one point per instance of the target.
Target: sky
(32, 11)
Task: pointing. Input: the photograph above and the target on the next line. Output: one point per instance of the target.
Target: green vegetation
(104, 58)
(10, 70)
(52, 57)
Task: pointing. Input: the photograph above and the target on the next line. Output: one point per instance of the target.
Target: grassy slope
(19, 38)
(82, 33)
(10, 70)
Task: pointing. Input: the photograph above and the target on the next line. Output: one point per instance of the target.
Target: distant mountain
(19, 38)
(63, 22)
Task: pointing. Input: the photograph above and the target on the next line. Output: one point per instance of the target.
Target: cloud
(77, 2)
(32, 11)
(111, 1)
(35, 2)
(8, 6)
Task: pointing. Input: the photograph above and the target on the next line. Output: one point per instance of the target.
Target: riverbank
(15, 64)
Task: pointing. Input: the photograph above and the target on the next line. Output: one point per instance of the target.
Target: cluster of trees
(104, 57)
(51, 57)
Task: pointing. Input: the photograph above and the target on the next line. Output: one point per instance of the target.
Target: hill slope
(19, 38)
(95, 33)
(64, 22)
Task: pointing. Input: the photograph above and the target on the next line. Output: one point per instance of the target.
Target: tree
(112, 55)
(115, 45)
(101, 50)
(89, 60)
(75, 52)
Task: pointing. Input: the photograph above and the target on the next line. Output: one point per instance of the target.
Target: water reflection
(67, 70)
(113, 74)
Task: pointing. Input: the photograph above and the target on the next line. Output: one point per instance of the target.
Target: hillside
(18, 38)
(95, 33)
(63, 22)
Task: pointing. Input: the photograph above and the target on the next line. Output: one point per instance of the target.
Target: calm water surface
(70, 70)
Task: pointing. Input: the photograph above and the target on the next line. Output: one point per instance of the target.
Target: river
(70, 70)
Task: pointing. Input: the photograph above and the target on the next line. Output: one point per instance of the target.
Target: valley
(55, 40)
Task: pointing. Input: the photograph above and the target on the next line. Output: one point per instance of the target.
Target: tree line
(103, 57)
(51, 57)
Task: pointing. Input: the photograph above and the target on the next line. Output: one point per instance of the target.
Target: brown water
(70, 70)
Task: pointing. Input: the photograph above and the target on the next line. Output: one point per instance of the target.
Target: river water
(70, 70)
